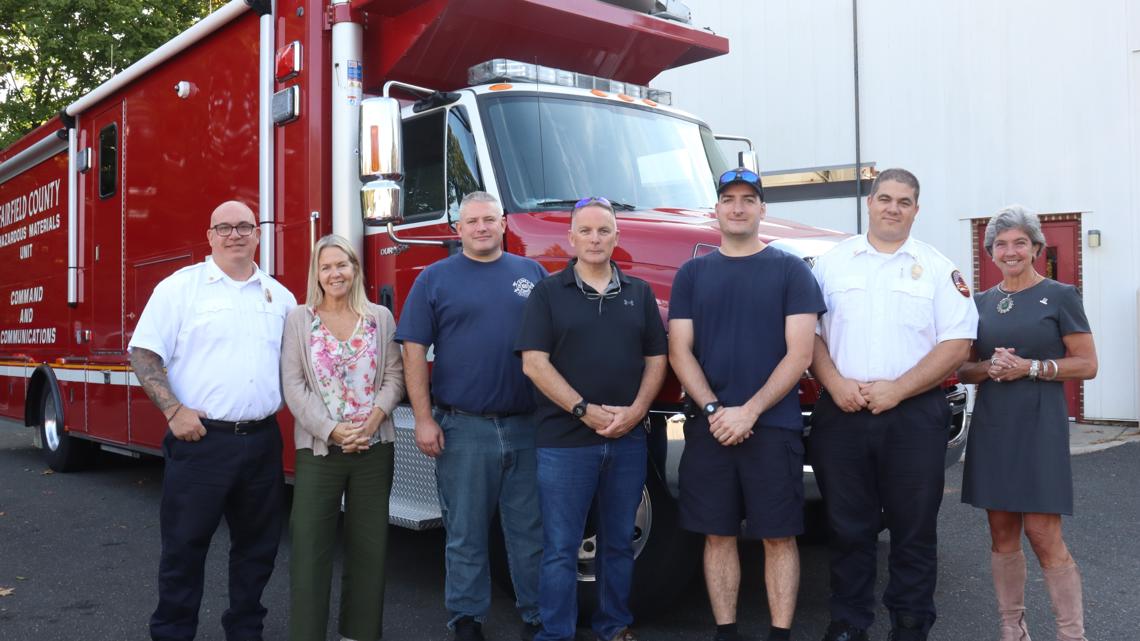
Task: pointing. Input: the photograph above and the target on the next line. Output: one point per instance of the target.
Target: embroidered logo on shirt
(960, 283)
(1044, 301)
(628, 302)
(523, 287)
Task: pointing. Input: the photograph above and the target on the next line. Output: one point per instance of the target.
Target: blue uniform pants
(874, 471)
(236, 476)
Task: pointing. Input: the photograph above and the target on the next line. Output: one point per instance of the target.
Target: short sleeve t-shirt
(470, 312)
(598, 344)
(738, 306)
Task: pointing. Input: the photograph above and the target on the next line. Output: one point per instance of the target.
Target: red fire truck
(370, 119)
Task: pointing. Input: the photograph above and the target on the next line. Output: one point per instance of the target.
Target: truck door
(107, 374)
(441, 166)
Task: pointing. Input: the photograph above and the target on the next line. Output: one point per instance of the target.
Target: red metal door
(1059, 261)
(107, 376)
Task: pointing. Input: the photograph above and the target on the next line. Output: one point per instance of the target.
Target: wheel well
(43, 381)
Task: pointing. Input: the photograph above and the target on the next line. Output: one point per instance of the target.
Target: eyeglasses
(594, 200)
(737, 175)
(225, 229)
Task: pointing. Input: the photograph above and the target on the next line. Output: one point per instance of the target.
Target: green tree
(54, 51)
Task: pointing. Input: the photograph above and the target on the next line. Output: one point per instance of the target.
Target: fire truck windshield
(553, 150)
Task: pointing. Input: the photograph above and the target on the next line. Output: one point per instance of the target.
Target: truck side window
(108, 160)
(423, 166)
(462, 162)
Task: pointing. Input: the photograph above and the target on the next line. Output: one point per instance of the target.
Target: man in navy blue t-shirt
(741, 332)
(476, 417)
(594, 345)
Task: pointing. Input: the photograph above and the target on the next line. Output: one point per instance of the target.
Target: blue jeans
(488, 464)
(569, 479)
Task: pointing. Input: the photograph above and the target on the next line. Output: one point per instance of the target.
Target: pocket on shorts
(795, 447)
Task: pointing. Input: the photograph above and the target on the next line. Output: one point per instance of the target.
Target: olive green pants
(365, 479)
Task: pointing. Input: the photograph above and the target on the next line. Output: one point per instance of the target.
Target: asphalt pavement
(79, 553)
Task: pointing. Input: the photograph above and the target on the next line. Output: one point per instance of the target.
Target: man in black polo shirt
(593, 343)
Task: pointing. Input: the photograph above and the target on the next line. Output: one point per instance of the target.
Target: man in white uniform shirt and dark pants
(899, 320)
(216, 329)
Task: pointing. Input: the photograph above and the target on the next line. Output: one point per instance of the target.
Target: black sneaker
(468, 629)
(528, 630)
(844, 631)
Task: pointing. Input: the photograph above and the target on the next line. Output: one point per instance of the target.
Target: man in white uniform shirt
(899, 320)
(216, 329)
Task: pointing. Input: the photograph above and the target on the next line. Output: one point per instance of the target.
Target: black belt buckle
(246, 427)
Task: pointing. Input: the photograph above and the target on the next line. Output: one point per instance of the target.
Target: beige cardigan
(312, 423)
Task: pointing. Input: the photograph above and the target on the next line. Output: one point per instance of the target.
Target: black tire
(62, 452)
(667, 557)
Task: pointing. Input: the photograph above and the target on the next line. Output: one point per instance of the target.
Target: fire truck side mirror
(381, 202)
(381, 161)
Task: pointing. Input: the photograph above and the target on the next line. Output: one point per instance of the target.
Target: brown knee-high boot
(1009, 586)
(1064, 585)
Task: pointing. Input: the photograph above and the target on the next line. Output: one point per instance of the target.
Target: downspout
(265, 133)
(347, 91)
(858, 144)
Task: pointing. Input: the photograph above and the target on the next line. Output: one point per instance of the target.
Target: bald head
(233, 212)
(233, 235)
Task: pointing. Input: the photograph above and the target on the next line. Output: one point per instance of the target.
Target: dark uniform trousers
(232, 473)
(889, 465)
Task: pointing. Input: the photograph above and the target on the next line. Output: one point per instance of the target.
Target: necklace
(1006, 303)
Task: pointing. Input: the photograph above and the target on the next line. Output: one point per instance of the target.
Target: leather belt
(239, 427)
(448, 409)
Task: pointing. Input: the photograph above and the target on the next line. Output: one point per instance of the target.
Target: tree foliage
(54, 51)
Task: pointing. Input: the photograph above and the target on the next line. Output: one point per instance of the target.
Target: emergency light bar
(504, 70)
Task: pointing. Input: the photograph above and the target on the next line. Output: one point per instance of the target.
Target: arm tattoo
(148, 368)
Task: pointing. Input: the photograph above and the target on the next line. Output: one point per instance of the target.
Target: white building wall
(988, 103)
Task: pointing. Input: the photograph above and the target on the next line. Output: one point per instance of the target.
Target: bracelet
(176, 411)
(1056, 370)
(1034, 369)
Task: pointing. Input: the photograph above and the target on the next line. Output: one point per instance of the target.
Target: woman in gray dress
(1032, 335)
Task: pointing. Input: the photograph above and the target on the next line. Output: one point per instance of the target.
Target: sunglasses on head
(594, 200)
(745, 175)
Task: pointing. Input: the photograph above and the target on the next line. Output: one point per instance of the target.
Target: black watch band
(579, 409)
(710, 408)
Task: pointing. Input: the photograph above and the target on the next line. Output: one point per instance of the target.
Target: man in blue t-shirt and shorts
(741, 332)
(475, 418)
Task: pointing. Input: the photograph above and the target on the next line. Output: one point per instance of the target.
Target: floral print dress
(346, 370)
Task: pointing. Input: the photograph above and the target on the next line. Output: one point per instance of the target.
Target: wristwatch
(579, 410)
(710, 408)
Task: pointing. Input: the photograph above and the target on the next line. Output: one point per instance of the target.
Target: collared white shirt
(220, 339)
(885, 312)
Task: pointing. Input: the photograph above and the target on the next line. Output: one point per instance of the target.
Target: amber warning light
(374, 143)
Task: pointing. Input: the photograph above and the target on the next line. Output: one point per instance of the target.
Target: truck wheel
(62, 452)
(666, 557)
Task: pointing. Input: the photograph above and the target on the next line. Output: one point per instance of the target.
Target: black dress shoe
(844, 631)
(907, 628)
